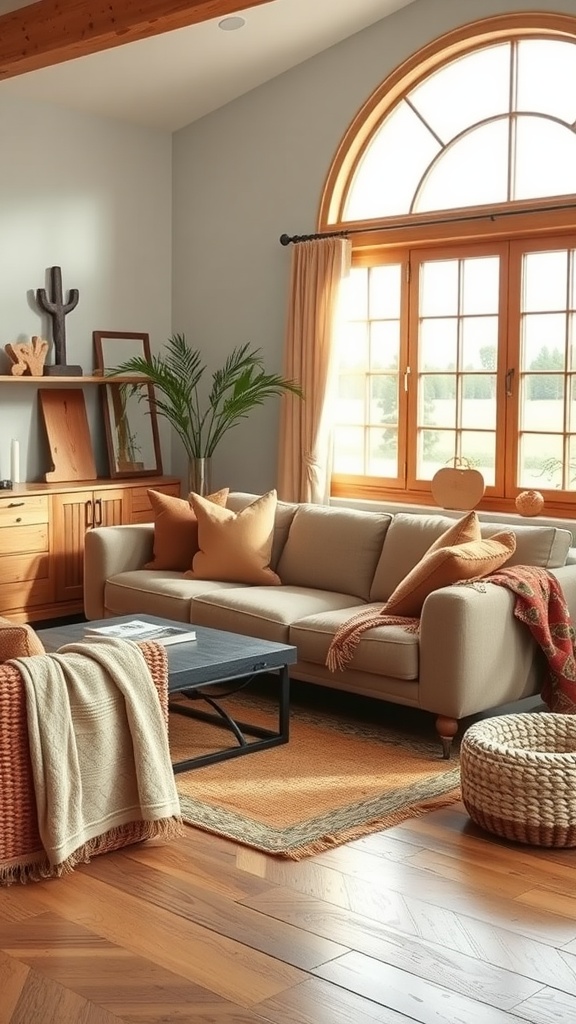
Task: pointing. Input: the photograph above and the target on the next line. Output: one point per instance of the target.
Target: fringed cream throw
(99, 748)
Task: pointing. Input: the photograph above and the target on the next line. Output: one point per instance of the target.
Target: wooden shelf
(7, 378)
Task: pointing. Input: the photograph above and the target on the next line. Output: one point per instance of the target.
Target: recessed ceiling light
(231, 24)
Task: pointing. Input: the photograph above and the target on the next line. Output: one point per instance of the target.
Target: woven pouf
(519, 777)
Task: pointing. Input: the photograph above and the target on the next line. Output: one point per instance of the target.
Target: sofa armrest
(474, 653)
(109, 550)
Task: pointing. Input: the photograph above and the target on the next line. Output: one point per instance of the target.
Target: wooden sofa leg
(446, 729)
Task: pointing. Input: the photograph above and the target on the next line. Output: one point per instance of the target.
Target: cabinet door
(74, 514)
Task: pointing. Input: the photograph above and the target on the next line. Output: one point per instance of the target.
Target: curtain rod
(343, 233)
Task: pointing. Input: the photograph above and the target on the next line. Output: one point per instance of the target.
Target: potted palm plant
(238, 387)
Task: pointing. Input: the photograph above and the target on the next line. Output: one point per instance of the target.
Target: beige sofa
(470, 655)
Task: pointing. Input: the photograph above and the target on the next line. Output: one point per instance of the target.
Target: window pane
(570, 477)
(437, 401)
(383, 452)
(543, 341)
(439, 288)
(462, 176)
(542, 406)
(384, 345)
(544, 279)
(478, 401)
(450, 100)
(350, 404)
(352, 345)
(349, 450)
(480, 450)
(480, 343)
(545, 158)
(539, 459)
(385, 285)
(480, 285)
(547, 78)
(436, 449)
(383, 400)
(439, 344)
(383, 186)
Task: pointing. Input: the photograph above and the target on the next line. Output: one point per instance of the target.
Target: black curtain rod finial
(285, 239)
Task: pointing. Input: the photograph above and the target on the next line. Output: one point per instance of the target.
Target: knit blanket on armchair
(539, 603)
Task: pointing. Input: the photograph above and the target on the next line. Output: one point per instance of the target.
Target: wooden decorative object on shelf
(64, 413)
(529, 503)
(28, 357)
(458, 486)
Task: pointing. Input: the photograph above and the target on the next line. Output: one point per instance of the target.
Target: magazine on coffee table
(136, 629)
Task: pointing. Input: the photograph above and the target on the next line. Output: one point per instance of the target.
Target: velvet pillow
(176, 530)
(235, 547)
(18, 640)
(447, 565)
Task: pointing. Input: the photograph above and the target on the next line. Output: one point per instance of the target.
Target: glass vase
(200, 476)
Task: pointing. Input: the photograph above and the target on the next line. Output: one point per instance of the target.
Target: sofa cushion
(265, 612)
(446, 565)
(388, 651)
(544, 546)
(235, 547)
(151, 592)
(176, 530)
(333, 549)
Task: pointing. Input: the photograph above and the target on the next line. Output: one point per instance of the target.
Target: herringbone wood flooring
(432, 922)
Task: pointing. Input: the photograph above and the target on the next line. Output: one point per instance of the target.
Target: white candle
(15, 462)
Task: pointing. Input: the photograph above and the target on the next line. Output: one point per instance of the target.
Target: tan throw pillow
(235, 547)
(448, 565)
(176, 530)
(17, 640)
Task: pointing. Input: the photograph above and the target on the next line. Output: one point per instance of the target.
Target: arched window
(457, 334)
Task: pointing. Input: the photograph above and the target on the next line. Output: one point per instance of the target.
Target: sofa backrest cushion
(285, 511)
(334, 549)
(411, 534)
(545, 546)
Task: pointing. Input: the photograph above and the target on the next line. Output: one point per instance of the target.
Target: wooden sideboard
(42, 531)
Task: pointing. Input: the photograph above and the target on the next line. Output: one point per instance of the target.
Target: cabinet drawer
(26, 594)
(16, 540)
(15, 511)
(18, 568)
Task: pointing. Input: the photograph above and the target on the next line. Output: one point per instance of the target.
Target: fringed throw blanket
(99, 749)
(540, 604)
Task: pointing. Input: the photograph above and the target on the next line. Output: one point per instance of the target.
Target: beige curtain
(304, 460)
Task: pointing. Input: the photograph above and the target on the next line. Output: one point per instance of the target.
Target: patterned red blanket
(540, 604)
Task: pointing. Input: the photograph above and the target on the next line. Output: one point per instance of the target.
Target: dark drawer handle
(15, 504)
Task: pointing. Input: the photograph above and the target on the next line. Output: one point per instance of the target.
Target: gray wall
(92, 196)
(255, 169)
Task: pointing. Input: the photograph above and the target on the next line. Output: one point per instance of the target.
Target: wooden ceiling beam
(52, 31)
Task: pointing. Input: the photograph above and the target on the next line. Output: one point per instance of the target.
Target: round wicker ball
(529, 503)
(519, 777)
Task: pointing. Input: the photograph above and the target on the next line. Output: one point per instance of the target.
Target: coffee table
(198, 669)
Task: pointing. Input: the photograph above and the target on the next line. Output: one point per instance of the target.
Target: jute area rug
(338, 778)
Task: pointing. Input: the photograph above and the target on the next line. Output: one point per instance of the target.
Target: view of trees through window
(463, 350)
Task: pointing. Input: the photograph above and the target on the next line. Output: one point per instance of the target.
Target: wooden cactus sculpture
(57, 309)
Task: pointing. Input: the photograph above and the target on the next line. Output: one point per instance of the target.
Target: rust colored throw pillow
(235, 546)
(176, 530)
(18, 640)
(448, 565)
(464, 530)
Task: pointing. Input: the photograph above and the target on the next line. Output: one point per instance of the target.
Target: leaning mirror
(130, 419)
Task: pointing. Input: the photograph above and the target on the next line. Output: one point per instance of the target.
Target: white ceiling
(170, 80)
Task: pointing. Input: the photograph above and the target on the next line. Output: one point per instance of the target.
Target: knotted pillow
(176, 529)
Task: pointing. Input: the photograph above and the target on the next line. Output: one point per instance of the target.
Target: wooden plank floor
(432, 922)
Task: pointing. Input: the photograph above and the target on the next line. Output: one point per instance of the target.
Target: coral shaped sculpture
(529, 503)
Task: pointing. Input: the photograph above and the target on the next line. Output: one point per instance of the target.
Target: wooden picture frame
(130, 418)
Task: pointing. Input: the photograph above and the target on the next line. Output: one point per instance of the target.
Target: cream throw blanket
(98, 745)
